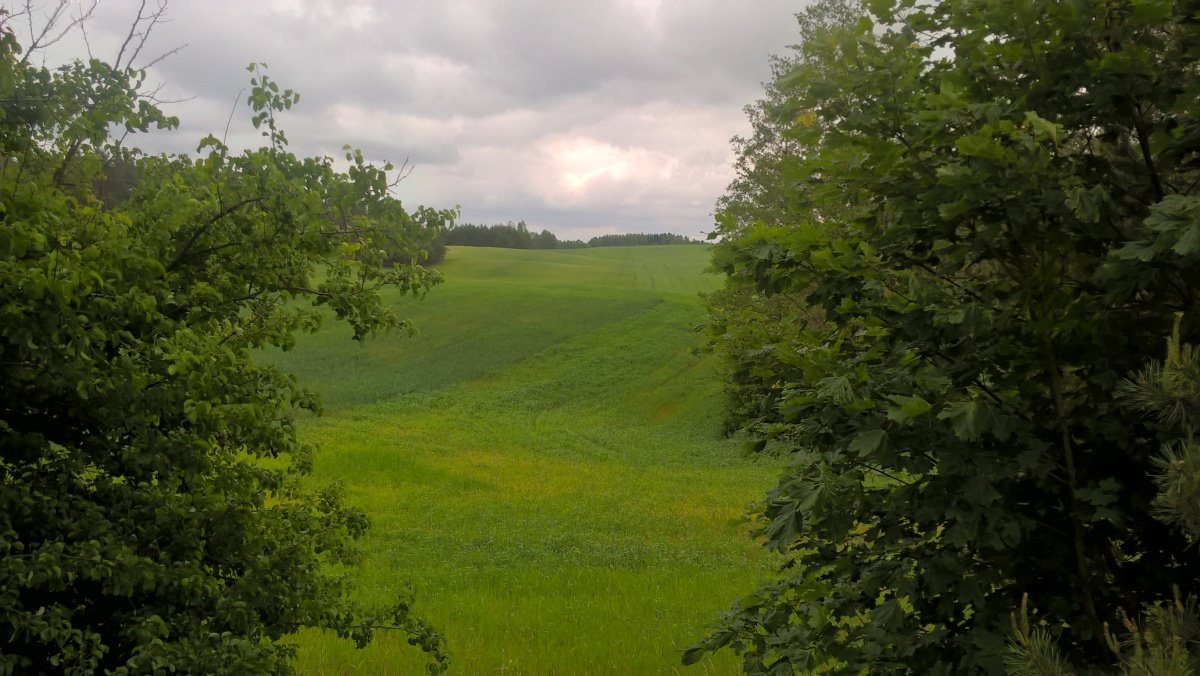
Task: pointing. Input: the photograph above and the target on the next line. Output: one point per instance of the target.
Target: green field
(542, 463)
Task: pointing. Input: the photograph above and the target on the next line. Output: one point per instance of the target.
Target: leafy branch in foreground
(992, 206)
(153, 509)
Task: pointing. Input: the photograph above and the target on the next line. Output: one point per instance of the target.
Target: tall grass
(543, 464)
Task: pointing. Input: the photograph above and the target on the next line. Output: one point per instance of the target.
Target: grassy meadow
(543, 463)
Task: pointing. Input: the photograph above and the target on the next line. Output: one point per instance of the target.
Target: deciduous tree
(153, 515)
(1019, 227)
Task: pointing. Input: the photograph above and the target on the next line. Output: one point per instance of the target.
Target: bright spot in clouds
(585, 159)
(593, 173)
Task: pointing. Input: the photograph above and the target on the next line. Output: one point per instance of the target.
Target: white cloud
(584, 171)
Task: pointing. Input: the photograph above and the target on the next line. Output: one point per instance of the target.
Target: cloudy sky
(583, 117)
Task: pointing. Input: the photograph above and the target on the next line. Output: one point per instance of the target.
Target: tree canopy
(984, 218)
(153, 514)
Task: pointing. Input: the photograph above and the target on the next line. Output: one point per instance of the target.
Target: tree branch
(185, 252)
(1081, 559)
(1139, 124)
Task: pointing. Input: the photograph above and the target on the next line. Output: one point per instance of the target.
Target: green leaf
(867, 441)
(835, 388)
(1189, 240)
(907, 408)
(888, 615)
(1044, 129)
(1141, 250)
(969, 419)
(981, 145)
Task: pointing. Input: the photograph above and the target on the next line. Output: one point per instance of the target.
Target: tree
(1015, 226)
(1165, 641)
(545, 240)
(758, 334)
(508, 236)
(152, 510)
(760, 192)
(641, 239)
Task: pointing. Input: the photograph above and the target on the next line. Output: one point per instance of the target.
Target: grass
(543, 463)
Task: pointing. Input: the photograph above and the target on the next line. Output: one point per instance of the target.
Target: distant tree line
(641, 239)
(507, 235)
(518, 236)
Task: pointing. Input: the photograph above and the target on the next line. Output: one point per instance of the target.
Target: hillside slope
(543, 463)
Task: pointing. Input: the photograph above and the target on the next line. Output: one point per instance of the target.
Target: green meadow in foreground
(543, 463)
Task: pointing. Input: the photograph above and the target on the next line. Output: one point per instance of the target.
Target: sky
(585, 117)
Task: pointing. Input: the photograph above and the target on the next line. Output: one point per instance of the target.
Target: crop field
(542, 463)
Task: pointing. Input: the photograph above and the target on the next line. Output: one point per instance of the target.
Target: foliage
(1033, 652)
(994, 210)
(543, 461)
(1162, 643)
(506, 236)
(761, 192)
(757, 334)
(1170, 391)
(152, 513)
(1165, 642)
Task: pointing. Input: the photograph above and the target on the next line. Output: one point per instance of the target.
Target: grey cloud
(496, 103)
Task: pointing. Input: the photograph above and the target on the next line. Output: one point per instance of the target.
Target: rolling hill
(542, 462)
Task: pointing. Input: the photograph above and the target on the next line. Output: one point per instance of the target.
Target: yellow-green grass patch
(566, 503)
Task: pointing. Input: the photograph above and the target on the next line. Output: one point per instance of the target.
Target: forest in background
(518, 236)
